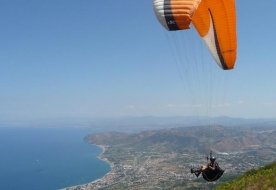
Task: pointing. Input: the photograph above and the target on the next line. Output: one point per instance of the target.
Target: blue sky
(111, 58)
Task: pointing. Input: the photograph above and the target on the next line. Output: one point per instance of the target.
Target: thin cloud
(134, 107)
(224, 105)
(269, 103)
(130, 107)
(240, 102)
(172, 106)
(181, 106)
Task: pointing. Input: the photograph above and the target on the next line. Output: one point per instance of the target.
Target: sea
(35, 158)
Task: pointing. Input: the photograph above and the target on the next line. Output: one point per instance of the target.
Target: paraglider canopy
(214, 20)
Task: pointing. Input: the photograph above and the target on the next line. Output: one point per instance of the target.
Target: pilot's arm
(210, 167)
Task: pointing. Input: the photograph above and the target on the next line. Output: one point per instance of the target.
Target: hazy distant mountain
(138, 123)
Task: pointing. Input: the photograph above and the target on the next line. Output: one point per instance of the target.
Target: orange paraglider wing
(175, 14)
(215, 21)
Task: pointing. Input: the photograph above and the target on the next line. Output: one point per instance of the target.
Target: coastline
(96, 183)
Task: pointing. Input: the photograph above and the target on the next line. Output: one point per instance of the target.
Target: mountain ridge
(226, 139)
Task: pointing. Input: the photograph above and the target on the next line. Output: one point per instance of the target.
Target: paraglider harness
(207, 173)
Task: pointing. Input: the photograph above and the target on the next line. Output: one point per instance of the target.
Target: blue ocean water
(47, 158)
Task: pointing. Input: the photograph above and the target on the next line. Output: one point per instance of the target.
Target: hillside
(226, 139)
(263, 178)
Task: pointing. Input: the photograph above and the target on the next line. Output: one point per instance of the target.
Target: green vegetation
(263, 178)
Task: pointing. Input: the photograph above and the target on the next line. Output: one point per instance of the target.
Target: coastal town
(134, 168)
(157, 169)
